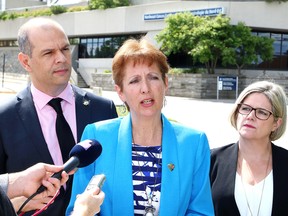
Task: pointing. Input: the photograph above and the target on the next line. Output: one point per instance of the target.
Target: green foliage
(99, 4)
(208, 40)
(77, 8)
(36, 13)
(201, 37)
(12, 16)
(4, 15)
(244, 48)
(107, 71)
(176, 36)
(104, 4)
(9, 16)
(186, 70)
(58, 9)
(93, 4)
(121, 3)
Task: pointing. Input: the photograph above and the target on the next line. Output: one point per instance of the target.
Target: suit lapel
(82, 104)
(230, 168)
(170, 179)
(227, 176)
(123, 186)
(28, 115)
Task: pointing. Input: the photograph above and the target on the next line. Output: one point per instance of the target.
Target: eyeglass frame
(254, 109)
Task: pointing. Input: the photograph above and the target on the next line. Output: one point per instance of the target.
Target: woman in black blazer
(250, 177)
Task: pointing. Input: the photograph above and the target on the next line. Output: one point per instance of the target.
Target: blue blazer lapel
(28, 115)
(123, 185)
(170, 177)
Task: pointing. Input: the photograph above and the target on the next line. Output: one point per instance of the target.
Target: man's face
(50, 63)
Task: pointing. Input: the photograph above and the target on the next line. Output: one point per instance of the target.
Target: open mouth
(147, 101)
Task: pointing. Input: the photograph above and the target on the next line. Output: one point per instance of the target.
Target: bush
(43, 12)
(107, 71)
(93, 4)
(4, 15)
(187, 70)
(58, 9)
(77, 8)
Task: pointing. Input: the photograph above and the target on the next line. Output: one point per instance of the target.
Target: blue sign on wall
(199, 12)
(227, 83)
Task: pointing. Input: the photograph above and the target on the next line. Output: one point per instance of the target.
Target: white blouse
(254, 197)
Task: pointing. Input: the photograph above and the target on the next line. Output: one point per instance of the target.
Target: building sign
(227, 83)
(199, 12)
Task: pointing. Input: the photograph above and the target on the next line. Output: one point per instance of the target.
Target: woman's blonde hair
(277, 97)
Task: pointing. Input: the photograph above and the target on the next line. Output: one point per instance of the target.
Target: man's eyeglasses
(260, 113)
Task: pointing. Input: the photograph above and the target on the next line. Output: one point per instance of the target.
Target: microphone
(81, 155)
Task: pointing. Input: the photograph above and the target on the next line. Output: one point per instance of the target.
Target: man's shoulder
(87, 95)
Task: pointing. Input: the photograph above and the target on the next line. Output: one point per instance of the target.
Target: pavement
(210, 116)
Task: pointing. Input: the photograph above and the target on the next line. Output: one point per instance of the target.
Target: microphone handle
(71, 164)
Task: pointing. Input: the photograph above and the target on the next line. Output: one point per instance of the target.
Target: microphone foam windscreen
(86, 151)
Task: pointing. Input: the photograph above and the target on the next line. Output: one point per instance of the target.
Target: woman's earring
(164, 102)
(122, 109)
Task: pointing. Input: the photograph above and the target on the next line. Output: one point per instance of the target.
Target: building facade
(97, 34)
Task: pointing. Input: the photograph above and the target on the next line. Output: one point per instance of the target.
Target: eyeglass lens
(260, 113)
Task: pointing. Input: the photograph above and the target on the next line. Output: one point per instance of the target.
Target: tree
(210, 39)
(177, 36)
(201, 37)
(245, 48)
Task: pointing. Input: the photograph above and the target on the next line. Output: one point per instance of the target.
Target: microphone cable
(40, 210)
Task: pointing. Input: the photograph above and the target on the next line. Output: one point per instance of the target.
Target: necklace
(263, 185)
(149, 208)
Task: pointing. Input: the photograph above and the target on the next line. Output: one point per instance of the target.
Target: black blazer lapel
(280, 181)
(83, 109)
(222, 177)
(28, 115)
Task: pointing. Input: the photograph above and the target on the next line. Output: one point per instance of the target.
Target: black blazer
(223, 174)
(6, 207)
(22, 143)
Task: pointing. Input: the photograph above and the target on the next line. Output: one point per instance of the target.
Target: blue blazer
(22, 143)
(184, 191)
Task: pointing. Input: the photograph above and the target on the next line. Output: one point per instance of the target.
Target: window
(102, 47)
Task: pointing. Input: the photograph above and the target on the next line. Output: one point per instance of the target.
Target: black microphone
(81, 155)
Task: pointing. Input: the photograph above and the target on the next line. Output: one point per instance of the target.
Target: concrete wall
(21, 3)
(11, 64)
(198, 86)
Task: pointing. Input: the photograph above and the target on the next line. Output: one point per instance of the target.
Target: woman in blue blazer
(152, 166)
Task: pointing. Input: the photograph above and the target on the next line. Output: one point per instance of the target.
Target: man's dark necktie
(63, 130)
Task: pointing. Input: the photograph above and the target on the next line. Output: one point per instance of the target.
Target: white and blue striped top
(146, 173)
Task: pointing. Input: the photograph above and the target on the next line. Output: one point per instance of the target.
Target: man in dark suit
(27, 122)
